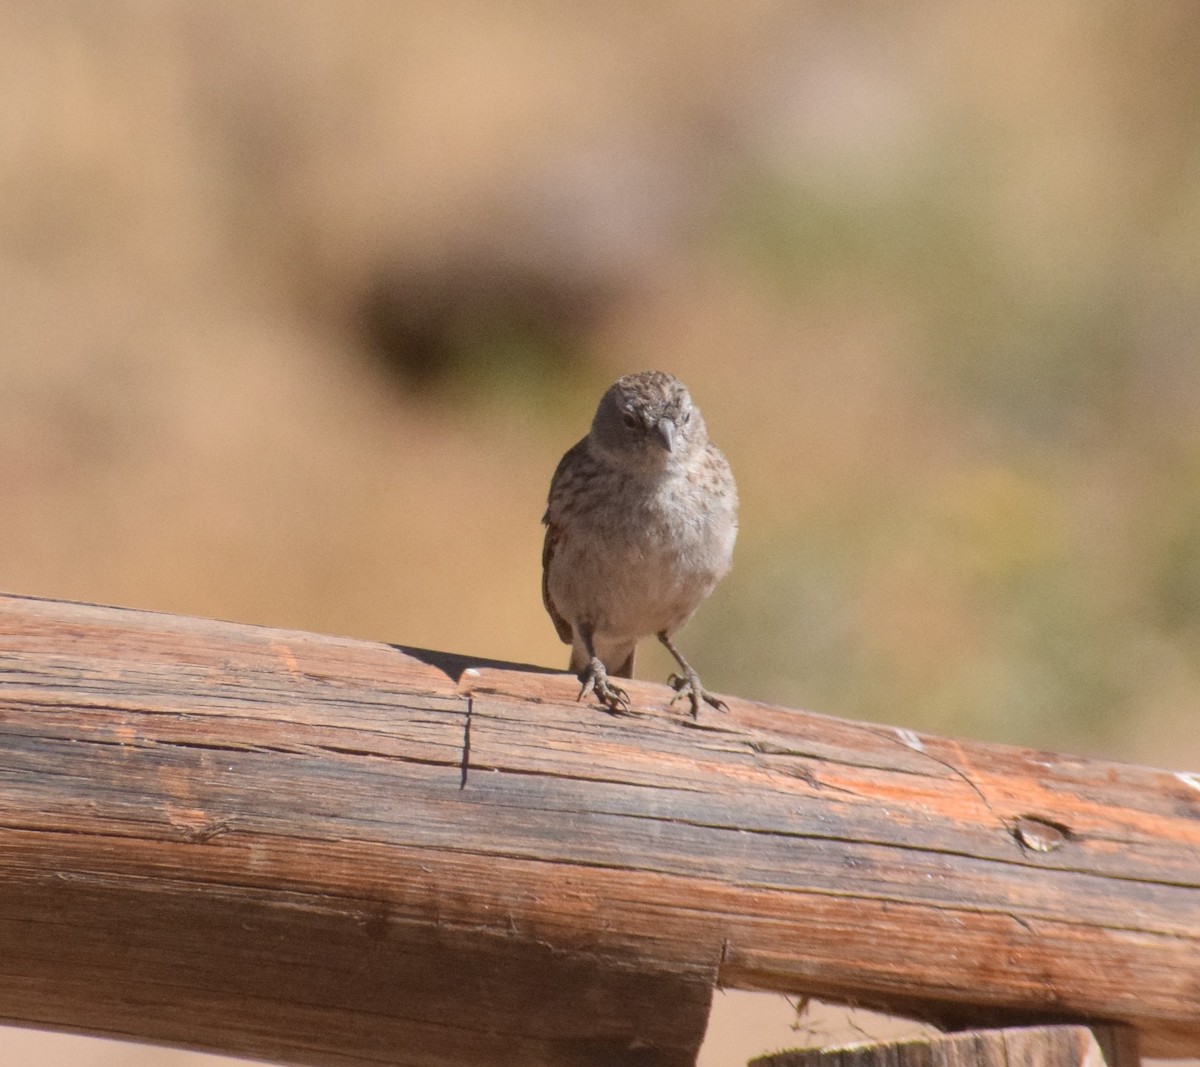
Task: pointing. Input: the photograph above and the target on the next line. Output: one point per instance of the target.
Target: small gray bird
(640, 527)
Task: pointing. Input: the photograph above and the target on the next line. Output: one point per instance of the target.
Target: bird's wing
(564, 628)
(554, 534)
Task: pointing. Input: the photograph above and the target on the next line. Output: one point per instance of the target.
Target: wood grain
(318, 850)
(1031, 1046)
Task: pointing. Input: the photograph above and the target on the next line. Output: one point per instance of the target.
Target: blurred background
(301, 302)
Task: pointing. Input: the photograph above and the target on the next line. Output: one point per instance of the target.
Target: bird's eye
(685, 418)
(630, 420)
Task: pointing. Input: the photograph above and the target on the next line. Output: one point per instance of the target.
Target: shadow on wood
(325, 851)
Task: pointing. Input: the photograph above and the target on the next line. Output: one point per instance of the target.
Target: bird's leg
(689, 682)
(595, 677)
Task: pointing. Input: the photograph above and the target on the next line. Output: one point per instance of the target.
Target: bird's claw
(689, 684)
(595, 677)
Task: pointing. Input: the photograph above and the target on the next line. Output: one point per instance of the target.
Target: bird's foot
(595, 677)
(688, 684)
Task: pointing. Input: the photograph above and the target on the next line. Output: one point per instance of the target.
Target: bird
(640, 523)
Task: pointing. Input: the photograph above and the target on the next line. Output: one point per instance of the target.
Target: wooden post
(1030, 1046)
(325, 851)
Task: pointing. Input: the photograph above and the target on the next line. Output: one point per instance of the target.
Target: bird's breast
(644, 561)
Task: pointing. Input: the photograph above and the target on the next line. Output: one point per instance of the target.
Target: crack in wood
(958, 771)
(589, 779)
(769, 748)
(466, 745)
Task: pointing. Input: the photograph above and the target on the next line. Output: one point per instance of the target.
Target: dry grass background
(302, 302)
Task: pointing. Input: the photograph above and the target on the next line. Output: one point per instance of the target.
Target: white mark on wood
(910, 738)
(1189, 778)
(288, 658)
(472, 671)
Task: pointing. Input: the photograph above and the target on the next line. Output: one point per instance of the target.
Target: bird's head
(648, 419)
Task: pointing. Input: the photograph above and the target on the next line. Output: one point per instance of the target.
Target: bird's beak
(664, 433)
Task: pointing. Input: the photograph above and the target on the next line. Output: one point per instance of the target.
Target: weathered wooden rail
(1034, 1046)
(326, 851)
